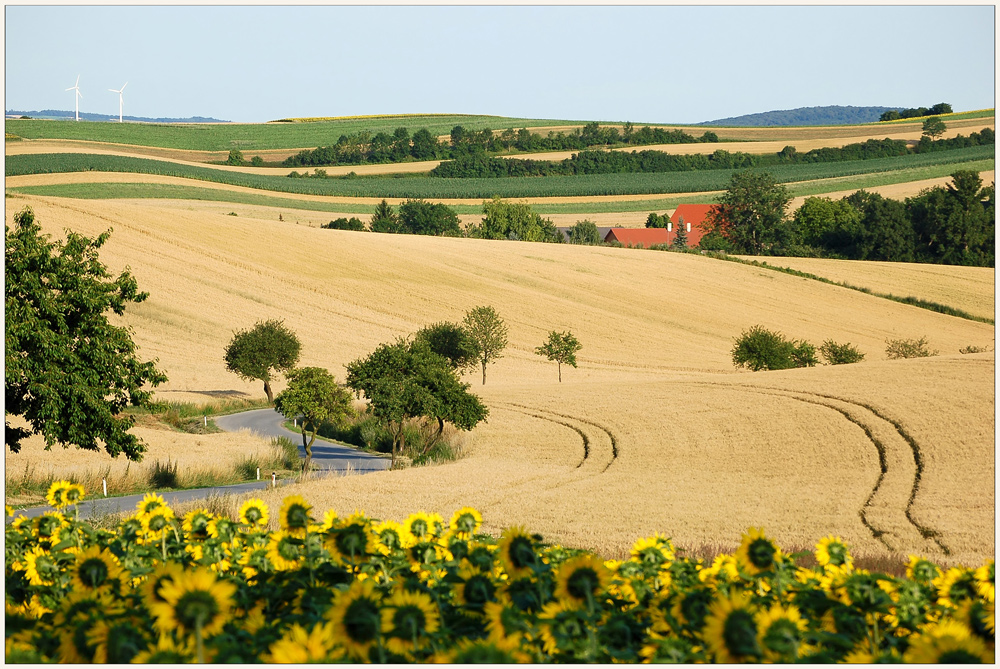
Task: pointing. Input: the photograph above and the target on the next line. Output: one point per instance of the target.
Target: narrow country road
(330, 458)
(326, 455)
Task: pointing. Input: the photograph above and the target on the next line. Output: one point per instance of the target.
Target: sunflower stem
(199, 646)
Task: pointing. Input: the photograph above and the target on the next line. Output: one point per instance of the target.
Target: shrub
(288, 452)
(257, 161)
(973, 349)
(246, 468)
(840, 354)
(235, 157)
(760, 349)
(804, 354)
(353, 223)
(907, 348)
(163, 475)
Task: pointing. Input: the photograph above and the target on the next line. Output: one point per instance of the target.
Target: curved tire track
(611, 435)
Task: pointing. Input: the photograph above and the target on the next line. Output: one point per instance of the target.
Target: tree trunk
(484, 372)
(267, 391)
(559, 367)
(308, 446)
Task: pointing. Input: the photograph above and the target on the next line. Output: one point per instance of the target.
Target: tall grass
(426, 187)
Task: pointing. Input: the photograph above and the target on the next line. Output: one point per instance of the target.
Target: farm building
(636, 237)
(691, 217)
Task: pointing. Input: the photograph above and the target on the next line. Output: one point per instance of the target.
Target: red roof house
(690, 216)
(638, 237)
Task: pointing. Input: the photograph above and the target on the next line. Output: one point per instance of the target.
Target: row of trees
(951, 224)
(617, 162)
(365, 147)
(896, 114)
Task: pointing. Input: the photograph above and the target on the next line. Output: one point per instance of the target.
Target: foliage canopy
(257, 353)
(69, 372)
(313, 394)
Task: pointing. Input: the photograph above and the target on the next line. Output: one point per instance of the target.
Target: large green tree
(259, 353)
(313, 394)
(418, 217)
(516, 221)
(955, 225)
(751, 213)
(69, 373)
(933, 127)
(488, 334)
(384, 219)
(584, 232)
(406, 381)
(560, 348)
(451, 341)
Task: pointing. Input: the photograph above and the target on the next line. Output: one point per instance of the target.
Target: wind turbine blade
(77, 80)
(113, 90)
(123, 87)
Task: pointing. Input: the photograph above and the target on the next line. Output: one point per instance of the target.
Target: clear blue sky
(639, 63)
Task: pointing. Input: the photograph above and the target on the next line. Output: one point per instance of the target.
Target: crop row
(424, 187)
(254, 136)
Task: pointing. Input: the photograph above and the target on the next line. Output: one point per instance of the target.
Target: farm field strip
(581, 185)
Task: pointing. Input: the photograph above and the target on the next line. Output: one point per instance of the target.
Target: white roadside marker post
(258, 473)
(105, 482)
(206, 420)
(274, 479)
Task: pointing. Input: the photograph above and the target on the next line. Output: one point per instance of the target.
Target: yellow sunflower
(408, 618)
(194, 600)
(148, 503)
(724, 568)
(947, 642)
(979, 617)
(465, 522)
(157, 522)
(757, 553)
(40, 568)
(390, 536)
(163, 573)
(921, 570)
(475, 590)
(168, 651)
(297, 646)
(356, 619)
(731, 632)
(196, 523)
(833, 551)
(352, 541)
(48, 527)
(986, 580)
(504, 622)
(294, 515)
(285, 551)
(117, 641)
(557, 622)
(423, 526)
(517, 552)
(64, 493)
(656, 550)
(580, 579)
(482, 651)
(779, 633)
(96, 568)
(253, 512)
(955, 585)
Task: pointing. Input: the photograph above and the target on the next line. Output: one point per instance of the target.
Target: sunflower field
(205, 588)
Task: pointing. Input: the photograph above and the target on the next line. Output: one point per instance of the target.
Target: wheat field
(653, 432)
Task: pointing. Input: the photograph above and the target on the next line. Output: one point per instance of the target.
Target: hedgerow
(158, 588)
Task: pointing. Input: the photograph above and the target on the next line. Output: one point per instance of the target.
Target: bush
(235, 157)
(352, 223)
(246, 469)
(840, 354)
(288, 452)
(257, 161)
(163, 475)
(896, 349)
(760, 349)
(804, 354)
(973, 349)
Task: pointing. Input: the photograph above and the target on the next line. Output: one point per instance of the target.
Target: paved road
(326, 455)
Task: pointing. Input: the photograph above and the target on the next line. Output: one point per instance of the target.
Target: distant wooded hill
(831, 115)
(86, 116)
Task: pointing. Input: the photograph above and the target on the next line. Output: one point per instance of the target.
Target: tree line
(364, 147)
(917, 112)
(616, 162)
(952, 224)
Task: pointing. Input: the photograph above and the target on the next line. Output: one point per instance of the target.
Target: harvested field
(970, 289)
(676, 441)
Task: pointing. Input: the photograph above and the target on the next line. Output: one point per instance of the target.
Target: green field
(111, 191)
(255, 136)
(916, 166)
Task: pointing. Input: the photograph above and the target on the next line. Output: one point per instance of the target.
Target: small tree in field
(451, 341)
(761, 349)
(313, 393)
(488, 334)
(680, 235)
(561, 347)
(899, 349)
(256, 354)
(934, 127)
(840, 354)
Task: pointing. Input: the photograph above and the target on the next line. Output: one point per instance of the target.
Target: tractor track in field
(581, 471)
(877, 500)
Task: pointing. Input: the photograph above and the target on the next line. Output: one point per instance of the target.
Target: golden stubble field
(677, 442)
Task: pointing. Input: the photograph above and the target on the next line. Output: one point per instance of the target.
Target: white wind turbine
(120, 100)
(76, 87)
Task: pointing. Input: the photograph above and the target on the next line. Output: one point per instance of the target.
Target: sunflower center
(93, 572)
(409, 622)
(288, 550)
(838, 553)
(782, 637)
(352, 540)
(582, 582)
(297, 517)
(477, 591)
(419, 528)
(761, 553)
(390, 539)
(157, 522)
(520, 553)
(47, 525)
(253, 515)
(466, 523)
(196, 607)
(959, 656)
(362, 621)
(123, 643)
(740, 634)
